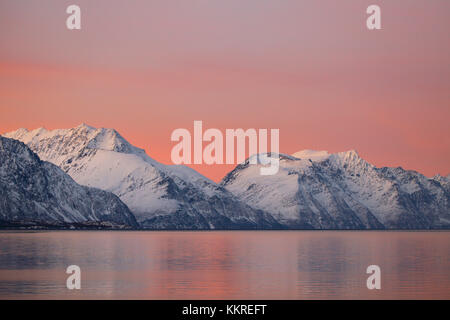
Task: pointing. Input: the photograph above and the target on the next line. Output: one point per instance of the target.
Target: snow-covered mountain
(315, 189)
(161, 196)
(38, 193)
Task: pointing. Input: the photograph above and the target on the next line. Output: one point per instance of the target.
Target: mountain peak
(441, 178)
(71, 142)
(21, 151)
(264, 158)
(38, 131)
(311, 154)
(110, 140)
(318, 156)
(84, 126)
(17, 134)
(351, 153)
(21, 130)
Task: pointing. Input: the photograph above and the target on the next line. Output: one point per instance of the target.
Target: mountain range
(312, 190)
(160, 196)
(38, 193)
(317, 190)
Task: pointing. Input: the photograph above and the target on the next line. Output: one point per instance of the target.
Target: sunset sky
(310, 68)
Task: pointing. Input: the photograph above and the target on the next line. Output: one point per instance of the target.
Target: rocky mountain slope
(161, 196)
(342, 191)
(312, 190)
(38, 193)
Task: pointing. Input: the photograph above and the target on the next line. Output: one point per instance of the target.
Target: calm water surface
(225, 265)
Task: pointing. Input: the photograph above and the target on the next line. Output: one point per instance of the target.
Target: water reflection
(225, 265)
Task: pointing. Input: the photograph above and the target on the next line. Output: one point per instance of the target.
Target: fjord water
(224, 265)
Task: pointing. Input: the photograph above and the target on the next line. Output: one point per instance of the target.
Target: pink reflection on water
(225, 265)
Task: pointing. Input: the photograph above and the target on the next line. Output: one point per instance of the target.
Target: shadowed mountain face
(342, 191)
(38, 193)
(160, 196)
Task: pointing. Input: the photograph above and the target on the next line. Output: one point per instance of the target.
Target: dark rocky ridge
(38, 193)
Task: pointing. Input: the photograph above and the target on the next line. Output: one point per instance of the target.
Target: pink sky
(309, 68)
